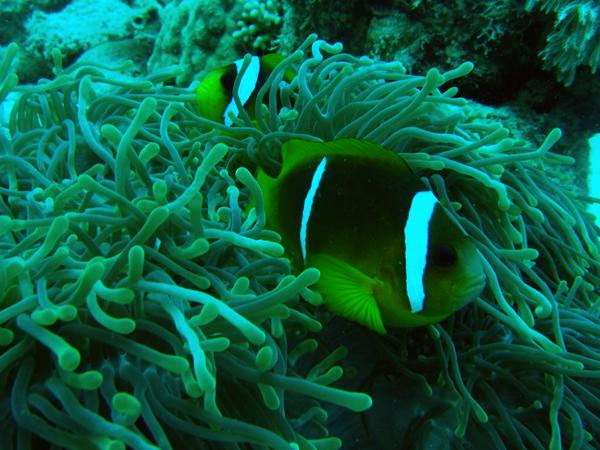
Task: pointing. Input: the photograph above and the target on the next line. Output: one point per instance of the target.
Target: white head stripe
(246, 86)
(416, 242)
(308, 204)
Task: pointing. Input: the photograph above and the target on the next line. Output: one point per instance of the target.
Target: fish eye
(444, 256)
(227, 80)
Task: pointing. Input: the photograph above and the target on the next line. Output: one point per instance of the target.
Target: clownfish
(387, 251)
(214, 94)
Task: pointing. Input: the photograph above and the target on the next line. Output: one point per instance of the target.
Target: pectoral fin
(348, 292)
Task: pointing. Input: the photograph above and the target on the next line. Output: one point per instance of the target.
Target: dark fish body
(343, 207)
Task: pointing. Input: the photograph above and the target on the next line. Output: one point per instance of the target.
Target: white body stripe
(308, 204)
(246, 87)
(416, 242)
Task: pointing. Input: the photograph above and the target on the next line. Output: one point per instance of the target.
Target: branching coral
(145, 303)
(258, 25)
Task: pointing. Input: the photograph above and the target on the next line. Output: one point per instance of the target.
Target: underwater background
(144, 301)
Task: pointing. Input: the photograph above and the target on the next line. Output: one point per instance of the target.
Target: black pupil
(227, 80)
(444, 255)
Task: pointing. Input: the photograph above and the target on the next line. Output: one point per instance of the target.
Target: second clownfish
(214, 94)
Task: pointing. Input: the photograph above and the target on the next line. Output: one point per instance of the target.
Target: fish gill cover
(145, 305)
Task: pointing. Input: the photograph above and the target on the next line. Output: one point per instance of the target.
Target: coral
(258, 25)
(385, 42)
(575, 37)
(145, 304)
(84, 24)
(346, 21)
(195, 35)
(200, 35)
(418, 32)
(19, 6)
(14, 13)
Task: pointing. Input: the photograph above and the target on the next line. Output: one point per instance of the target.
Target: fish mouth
(471, 290)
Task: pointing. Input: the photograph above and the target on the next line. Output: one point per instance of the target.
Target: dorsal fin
(296, 153)
(271, 60)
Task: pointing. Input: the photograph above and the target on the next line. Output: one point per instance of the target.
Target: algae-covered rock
(84, 24)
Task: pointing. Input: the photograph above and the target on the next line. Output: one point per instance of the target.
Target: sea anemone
(144, 303)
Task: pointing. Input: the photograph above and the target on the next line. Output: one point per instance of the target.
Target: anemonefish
(214, 94)
(388, 253)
